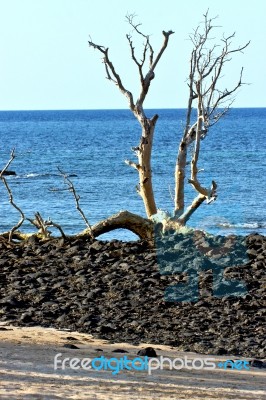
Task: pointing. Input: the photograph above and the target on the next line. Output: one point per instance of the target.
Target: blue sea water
(93, 144)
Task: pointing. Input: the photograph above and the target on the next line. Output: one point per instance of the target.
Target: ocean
(92, 145)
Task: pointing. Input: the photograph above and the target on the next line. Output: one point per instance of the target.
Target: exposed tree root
(142, 227)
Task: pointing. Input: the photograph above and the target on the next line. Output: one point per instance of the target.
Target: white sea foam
(247, 225)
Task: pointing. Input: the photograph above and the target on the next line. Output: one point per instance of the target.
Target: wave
(33, 175)
(36, 175)
(245, 225)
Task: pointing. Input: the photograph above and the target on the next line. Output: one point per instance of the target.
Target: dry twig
(71, 188)
(11, 200)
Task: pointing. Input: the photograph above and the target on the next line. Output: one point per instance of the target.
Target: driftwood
(142, 227)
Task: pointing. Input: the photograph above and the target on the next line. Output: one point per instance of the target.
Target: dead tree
(206, 66)
(144, 149)
(207, 63)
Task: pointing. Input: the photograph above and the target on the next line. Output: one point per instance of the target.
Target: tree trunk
(144, 169)
(180, 179)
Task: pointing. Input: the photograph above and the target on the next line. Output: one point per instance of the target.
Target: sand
(27, 371)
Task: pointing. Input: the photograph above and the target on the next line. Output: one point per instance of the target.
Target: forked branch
(145, 78)
(112, 74)
(42, 225)
(146, 66)
(207, 63)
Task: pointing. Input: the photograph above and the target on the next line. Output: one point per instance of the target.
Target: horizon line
(113, 109)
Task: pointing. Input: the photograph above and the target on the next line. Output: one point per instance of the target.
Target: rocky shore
(128, 291)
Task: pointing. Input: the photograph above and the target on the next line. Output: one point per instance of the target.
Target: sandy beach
(27, 371)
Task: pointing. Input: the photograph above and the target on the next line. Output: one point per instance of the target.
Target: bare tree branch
(11, 200)
(191, 209)
(139, 64)
(40, 224)
(147, 45)
(51, 223)
(207, 63)
(144, 149)
(133, 165)
(112, 75)
(76, 197)
(150, 74)
(206, 68)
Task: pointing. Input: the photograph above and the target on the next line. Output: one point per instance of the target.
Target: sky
(46, 62)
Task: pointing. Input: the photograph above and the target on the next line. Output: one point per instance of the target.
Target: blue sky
(46, 62)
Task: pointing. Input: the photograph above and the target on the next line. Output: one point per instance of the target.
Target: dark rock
(119, 351)
(257, 364)
(116, 291)
(61, 319)
(107, 328)
(221, 351)
(26, 317)
(8, 173)
(71, 338)
(70, 346)
(252, 253)
(148, 351)
(96, 246)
